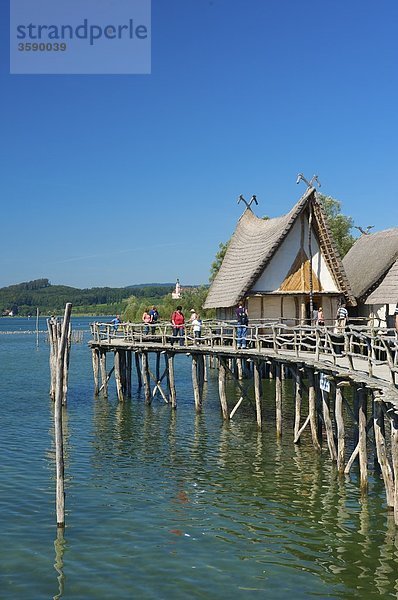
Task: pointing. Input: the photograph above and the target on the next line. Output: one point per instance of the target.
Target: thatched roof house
(372, 268)
(268, 263)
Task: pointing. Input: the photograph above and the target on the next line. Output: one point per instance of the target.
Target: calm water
(163, 505)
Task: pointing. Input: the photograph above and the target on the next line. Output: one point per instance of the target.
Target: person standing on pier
(243, 321)
(116, 322)
(178, 320)
(154, 317)
(197, 328)
(146, 318)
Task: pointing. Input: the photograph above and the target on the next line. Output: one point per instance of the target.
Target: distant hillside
(24, 298)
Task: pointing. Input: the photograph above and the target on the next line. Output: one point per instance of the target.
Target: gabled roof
(253, 244)
(369, 260)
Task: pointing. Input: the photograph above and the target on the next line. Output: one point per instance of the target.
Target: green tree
(216, 264)
(339, 224)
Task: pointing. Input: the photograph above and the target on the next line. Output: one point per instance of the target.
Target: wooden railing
(374, 347)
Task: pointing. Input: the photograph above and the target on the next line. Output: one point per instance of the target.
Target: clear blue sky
(116, 180)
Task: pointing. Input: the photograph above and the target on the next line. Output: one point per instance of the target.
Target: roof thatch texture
(387, 291)
(252, 246)
(369, 260)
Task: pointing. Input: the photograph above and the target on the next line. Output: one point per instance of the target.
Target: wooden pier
(322, 363)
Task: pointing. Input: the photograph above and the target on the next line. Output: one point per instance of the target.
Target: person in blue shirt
(154, 317)
(243, 321)
(116, 322)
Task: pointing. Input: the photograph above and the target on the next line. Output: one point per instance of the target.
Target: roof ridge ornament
(310, 184)
(248, 204)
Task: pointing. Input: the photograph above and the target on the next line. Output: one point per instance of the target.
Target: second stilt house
(282, 267)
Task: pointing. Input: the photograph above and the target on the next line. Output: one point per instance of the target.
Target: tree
(339, 224)
(216, 264)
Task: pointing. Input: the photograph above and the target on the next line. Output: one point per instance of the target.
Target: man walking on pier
(178, 320)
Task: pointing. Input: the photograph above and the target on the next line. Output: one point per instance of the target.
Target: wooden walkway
(322, 362)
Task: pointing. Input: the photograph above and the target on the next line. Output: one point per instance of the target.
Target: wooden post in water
(278, 400)
(95, 360)
(312, 409)
(328, 425)
(338, 412)
(195, 383)
(222, 376)
(394, 455)
(145, 376)
(298, 402)
(363, 455)
(59, 390)
(138, 369)
(118, 378)
(128, 373)
(380, 440)
(104, 375)
(257, 391)
(173, 395)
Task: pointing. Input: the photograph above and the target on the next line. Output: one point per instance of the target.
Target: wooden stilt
(118, 378)
(128, 373)
(195, 384)
(380, 441)
(312, 409)
(257, 391)
(278, 399)
(298, 402)
(222, 375)
(173, 395)
(145, 377)
(104, 376)
(338, 412)
(394, 456)
(138, 369)
(239, 367)
(201, 375)
(328, 425)
(95, 361)
(363, 455)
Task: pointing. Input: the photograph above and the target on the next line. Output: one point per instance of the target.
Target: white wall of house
(378, 315)
(278, 268)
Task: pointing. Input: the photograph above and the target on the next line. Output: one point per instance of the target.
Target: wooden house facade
(372, 269)
(277, 265)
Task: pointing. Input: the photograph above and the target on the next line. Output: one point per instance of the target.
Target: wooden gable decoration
(298, 278)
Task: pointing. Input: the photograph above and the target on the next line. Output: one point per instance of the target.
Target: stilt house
(276, 265)
(372, 269)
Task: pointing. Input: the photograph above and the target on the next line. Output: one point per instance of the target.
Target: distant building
(177, 291)
(276, 264)
(372, 269)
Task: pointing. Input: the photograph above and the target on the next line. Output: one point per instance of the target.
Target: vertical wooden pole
(328, 425)
(95, 359)
(196, 393)
(145, 377)
(386, 471)
(118, 376)
(394, 455)
(66, 365)
(363, 455)
(312, 409)
(138, 369)
(104, 375)
(59, 448)
(338, 411)
(257, 391)
(239, 368)
(173, 395)
(201, 375)
(128, 373)
(222, 375)
(278, 399)
(298, 403)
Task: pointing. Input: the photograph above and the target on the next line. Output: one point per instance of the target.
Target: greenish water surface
(174, 505)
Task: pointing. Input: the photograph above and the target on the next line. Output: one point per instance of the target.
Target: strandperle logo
(93, 37)
(84, 31)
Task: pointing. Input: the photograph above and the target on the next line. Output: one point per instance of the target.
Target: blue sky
(115, 180)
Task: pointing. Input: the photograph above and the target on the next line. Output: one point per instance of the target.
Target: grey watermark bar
(107, 37)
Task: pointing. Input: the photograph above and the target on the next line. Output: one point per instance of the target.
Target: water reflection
(59, 546)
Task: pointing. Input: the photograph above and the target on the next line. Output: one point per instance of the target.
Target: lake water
(172, 505)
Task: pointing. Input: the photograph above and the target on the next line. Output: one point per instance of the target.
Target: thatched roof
(369, 260)
(387, 291)
(253, 244)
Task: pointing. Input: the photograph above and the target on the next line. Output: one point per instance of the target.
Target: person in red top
(178, 320)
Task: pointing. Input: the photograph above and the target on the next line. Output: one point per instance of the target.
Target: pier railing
(373, 347)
